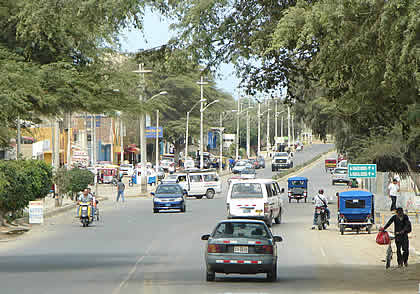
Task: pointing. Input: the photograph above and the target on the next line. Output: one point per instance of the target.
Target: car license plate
(240, 249)
(246, 210)
(167, 204)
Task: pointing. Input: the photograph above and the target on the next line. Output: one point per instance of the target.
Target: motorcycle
(85, 212)
(322, 220)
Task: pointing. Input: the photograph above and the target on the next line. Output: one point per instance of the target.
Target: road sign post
(362, 170)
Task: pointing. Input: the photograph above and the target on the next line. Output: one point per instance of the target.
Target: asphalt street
(132, 250)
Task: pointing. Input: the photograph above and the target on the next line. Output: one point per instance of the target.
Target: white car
(255, 199)
(189, 163)
(240, 166)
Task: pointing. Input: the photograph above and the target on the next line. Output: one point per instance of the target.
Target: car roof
(355, 193)
(297, 179)
(242, 221)
(259, 181)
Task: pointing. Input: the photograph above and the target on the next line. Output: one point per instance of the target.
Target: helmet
(321, 191)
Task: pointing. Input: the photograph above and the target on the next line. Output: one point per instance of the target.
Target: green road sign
(362, 170)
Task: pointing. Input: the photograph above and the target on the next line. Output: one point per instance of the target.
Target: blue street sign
(362, 170)
(151, 132)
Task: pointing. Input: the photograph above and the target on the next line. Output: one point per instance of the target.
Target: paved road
(133, 250)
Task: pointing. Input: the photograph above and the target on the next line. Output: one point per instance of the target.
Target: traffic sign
(362, 170)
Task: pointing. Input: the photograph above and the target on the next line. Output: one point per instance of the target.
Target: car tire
(333, 183)
(272, 275)
(184, 208)
(278, 218)
(210, 194)
(272, 169)
(269, 222)
(369, 229)
(155, 210)
(342, 229)
(210, 276)
(290, 200)
(305, 199)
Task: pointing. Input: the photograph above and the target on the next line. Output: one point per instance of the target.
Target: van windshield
(246, 190)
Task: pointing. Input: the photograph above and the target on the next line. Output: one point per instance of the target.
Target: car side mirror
(152, 193)
(205, 237)
(282, 190)
(277, 239)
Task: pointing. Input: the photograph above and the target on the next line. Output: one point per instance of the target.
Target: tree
(22, 181)
(79, 179)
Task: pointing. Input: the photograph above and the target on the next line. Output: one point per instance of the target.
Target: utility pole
(248, 131)
(68, 140)
(18, 141)
(259, 129)
(111, 136)
(288, 126)
(121, 141)
(293, 131)
(237, 127)
(143, 184)
(202, 83)
(281, 127)
(157, 141)
(268, 126)
(93, 139)
(276, 115)
(186, 138)
(221, 144)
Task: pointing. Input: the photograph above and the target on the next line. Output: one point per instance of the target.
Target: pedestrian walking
(121, 188)
(231, 163)
(394, 190)
(402, 226)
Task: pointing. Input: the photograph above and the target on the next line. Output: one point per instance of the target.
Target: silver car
(340, 175)
(241, 247)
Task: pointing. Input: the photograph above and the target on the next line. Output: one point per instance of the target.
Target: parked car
(340, 175)
(168, 196)
(242, 247)
(261, 162)
(240, 166)
(255, 199)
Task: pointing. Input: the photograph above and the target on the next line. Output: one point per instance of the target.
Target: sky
(157, 33)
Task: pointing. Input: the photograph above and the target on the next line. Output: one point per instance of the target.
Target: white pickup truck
(281, 160)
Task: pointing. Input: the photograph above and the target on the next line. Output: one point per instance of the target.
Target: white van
(197, 183)
(255, 199)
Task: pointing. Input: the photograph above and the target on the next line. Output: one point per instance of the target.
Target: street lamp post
(157, 142)
(237, 129)
(276, 114)
(201, 83)
(268, 127)
(248, 131)
(259, 129)
(288, 126)
(187, 128)
(201, 130)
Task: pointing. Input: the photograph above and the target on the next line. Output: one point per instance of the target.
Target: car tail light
(289, 193)
(265, 249)
(266, 210)
(215, 248)
(305, 193)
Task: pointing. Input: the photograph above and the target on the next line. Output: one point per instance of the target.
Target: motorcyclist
(321, 201)
(86, 197)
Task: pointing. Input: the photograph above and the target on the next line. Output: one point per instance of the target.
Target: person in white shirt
(394, 190)
(320, 201)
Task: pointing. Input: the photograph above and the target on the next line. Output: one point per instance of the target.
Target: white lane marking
(132, 271)
(323, 252)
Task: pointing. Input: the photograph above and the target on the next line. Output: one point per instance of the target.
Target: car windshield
(298, 183)
(282, 154)
(168, 189)
(247, 190)
(340, 171)
(248, 171)
(241, 163)
(241, 230)
(172, 177)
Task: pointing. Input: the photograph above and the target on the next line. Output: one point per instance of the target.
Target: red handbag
(383, 238)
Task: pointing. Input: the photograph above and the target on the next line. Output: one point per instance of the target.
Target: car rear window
(340, 171)
(298, 183)
(355, 203)
(241, 230)
(247, 190)
(168, 189)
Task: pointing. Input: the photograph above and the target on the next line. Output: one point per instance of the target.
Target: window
(195, 178)
(273, 187)
(210, 178)
(298, 183)
(182, 179)
(269, 190)
(246, 190)
(241, 230)
(168, 189)
(355, 203)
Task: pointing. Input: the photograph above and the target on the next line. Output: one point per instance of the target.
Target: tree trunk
(411, 172)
